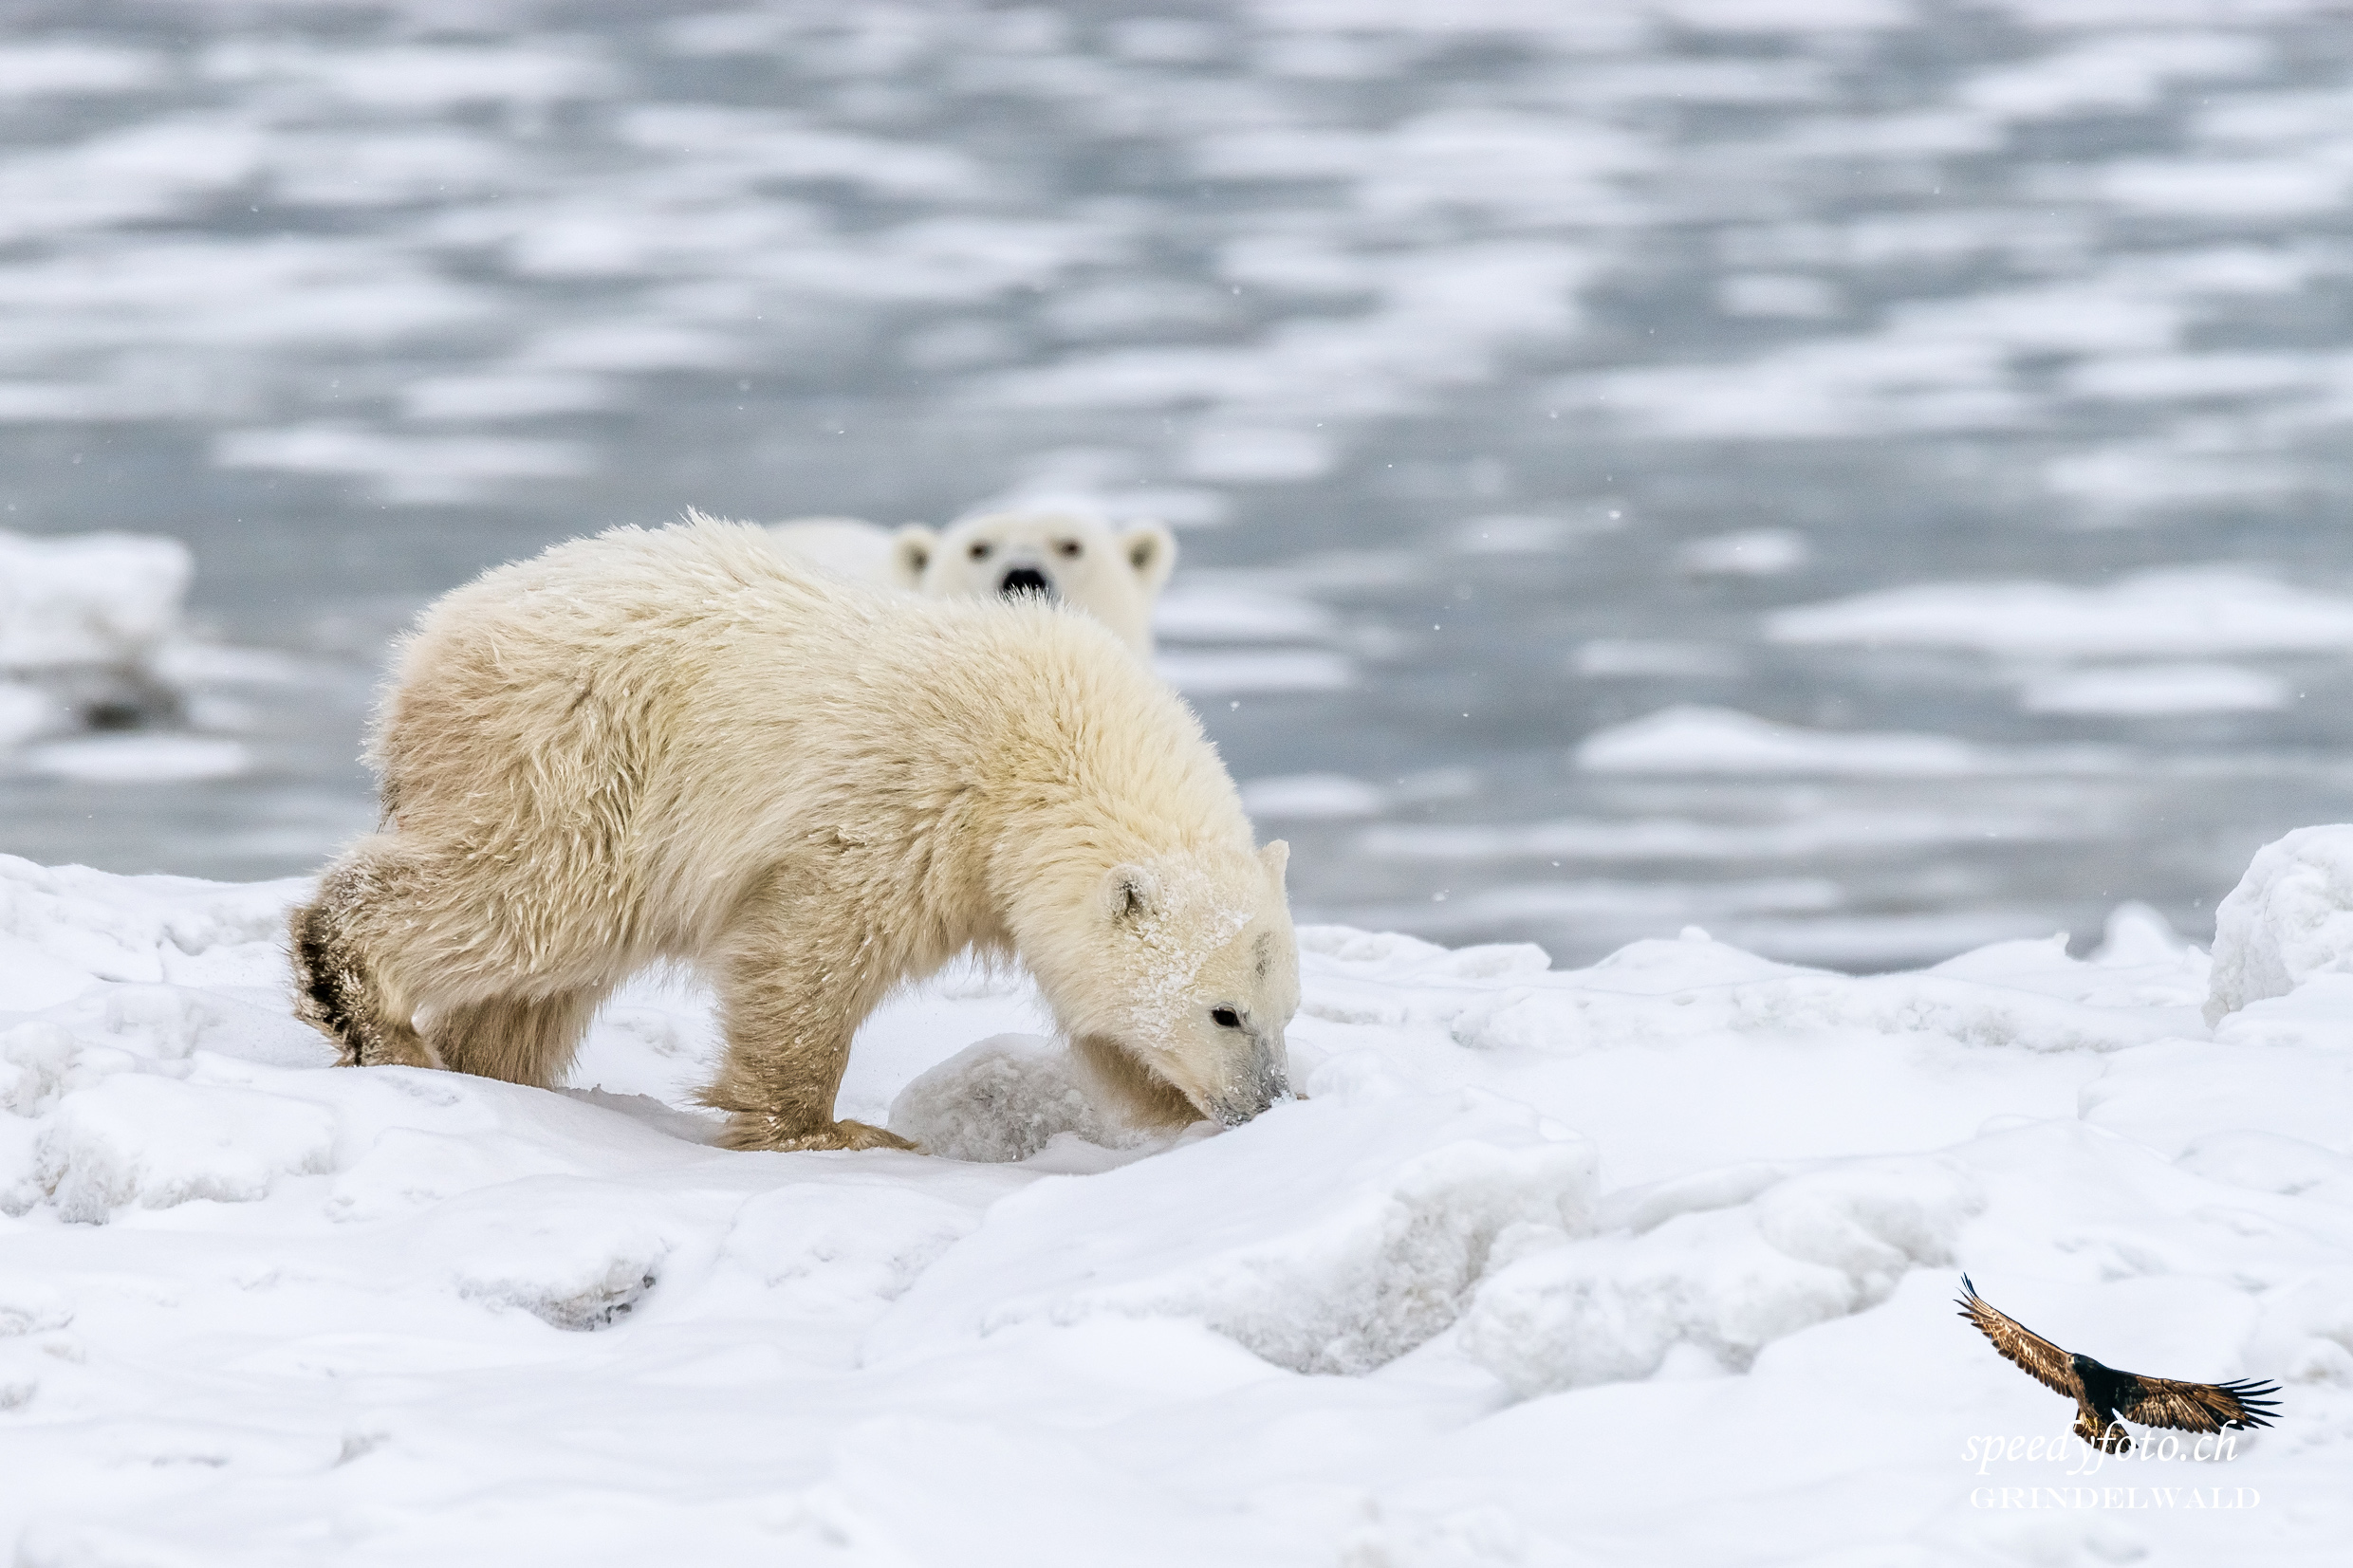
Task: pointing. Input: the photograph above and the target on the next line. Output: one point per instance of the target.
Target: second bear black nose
(1025, 580)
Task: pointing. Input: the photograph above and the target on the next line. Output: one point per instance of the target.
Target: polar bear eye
(979, 550)
(1070, 548)
(1225, 1017)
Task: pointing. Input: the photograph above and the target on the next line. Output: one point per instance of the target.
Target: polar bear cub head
(1114, 577)
(1177, 988)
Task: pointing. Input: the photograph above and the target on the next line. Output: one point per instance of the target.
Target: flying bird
(2102, 1393)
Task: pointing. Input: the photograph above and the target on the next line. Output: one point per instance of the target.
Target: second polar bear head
(1177, 988)
(1114, 577)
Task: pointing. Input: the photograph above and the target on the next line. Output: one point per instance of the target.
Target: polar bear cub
(1114, 576)
(684, 746)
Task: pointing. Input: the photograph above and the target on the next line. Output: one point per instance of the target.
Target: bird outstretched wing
(2021, 1346)
(2197, 1407)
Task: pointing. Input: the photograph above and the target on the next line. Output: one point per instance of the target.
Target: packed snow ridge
(1643, 1263)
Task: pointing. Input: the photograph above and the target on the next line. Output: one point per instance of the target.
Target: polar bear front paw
(751, 1129)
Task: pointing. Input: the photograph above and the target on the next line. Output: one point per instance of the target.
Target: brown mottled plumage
(2102, 1393)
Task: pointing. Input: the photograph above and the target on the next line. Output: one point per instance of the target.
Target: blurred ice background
(1868, 477)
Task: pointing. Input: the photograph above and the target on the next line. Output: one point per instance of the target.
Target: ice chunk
(26, 711)
(1758, 552)
(1002, 1100)
(1719, 740)
(1325, 1236)
(1310, 795)
(102, 598)
(140, 759)
(2206, 610)
(1725, 1280)
(2154, 690)
(138, 1138)
(2290, 919)
(1216, 671)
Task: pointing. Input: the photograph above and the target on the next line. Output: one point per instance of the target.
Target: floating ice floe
(1758, 552)
(1693, 739)
(1310, 795)
(2155, 691)
(2185, 610)
(1529, 1231)
(91, 638)
(82, 620)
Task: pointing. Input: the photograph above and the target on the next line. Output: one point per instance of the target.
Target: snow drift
(1531, 1236)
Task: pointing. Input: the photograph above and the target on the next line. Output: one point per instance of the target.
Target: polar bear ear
(912, 549)
(1150, 549)
(1129, 892)
(1276, 857)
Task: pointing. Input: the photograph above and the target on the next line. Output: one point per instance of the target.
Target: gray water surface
(1453, 338)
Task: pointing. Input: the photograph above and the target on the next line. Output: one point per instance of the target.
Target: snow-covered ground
(1647, 1262)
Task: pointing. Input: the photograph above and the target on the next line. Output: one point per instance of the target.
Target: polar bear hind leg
(338, 988)
(396, 972)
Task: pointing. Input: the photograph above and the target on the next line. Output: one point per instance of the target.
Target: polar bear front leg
(791, 1001)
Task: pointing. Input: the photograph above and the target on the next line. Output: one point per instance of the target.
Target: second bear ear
(1276, 857)
(1129, 892)
(1150, 549)
(910, 553)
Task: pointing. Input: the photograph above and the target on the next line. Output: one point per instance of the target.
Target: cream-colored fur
(1115, 577)
(680, 745)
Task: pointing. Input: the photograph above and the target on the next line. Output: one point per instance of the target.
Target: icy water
(1535, 385)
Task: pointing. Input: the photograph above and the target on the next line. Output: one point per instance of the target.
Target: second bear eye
(1225, 1017)
(1069, 547)
(980, 551)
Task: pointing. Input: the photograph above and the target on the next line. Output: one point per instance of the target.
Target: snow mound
(141, 1139)
(836, 1250)
(1965, 1011)
(1002, 1099)
(131, 1112)
(2306, 1331)
(93, 927)
(224, 1263)
(574, 1254)
(1323, 1237)
(2290, 919)
(1718, 1266)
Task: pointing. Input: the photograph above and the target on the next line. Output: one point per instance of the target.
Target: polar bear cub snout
(1114, 575)
(1026, 580)
(1205, 940)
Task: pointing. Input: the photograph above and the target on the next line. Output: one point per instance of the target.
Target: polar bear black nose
(1025, 580)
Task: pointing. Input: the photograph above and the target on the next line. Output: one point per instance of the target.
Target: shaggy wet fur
(676, 745)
